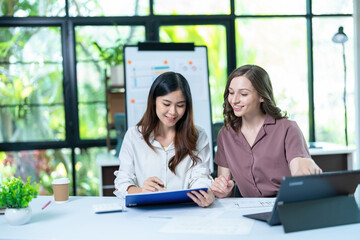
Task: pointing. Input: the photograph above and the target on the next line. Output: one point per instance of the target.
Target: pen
(161, 185)
(47, 204)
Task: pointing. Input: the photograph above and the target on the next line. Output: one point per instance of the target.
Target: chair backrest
(216, 128)
(120, 126)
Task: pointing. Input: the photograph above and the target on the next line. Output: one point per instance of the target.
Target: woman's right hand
(222, 187)
(153, 184)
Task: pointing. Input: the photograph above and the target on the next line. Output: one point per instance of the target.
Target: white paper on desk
(229, 226)
(196, 212)
(232, 203)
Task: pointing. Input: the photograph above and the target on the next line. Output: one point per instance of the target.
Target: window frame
(152, 24)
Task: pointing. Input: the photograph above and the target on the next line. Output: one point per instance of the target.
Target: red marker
(47, 204)
(227, 180)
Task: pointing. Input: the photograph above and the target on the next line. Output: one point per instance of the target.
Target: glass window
(214, 37)
(42, 165)
(266, 7)
(279, 46)
(30, 8)
(108, 8)
(189, 7)
(31, 89)
(329, 80)
(332, 7)
(91, 66)
(87, 172)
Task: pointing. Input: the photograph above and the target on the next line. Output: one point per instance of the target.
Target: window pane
(214, 37)
(332, 7)
(28, 8)
(266, 7)
(279, 46)
(329, 80)
(41, 165)
(91, 72)
(108, 8)
(87, 172)
(31, 90)
(189, 7)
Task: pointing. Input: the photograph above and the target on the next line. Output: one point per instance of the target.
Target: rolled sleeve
(200, 173)
(295, 143)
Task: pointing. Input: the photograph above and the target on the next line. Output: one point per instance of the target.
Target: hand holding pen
(222, 186)
(153, 184)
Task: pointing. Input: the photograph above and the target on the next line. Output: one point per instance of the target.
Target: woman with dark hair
(258, 145)
(165, 149)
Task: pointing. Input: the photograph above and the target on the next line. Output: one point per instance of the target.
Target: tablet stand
(325, 212)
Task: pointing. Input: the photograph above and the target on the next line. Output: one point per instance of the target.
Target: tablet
(310, 187)
(156, 198)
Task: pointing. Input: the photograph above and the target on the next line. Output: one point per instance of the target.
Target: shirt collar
(151, 138)
(269, 120)
(156, 144)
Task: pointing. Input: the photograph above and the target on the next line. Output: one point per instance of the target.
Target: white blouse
(138, 162)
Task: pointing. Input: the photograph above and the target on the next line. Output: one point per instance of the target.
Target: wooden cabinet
(115, 103)
(333, 157)
(107, 164)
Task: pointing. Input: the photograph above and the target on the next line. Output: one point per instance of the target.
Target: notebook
(155, 198)
(310, 187)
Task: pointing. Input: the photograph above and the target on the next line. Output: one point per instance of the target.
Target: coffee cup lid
(61, 181)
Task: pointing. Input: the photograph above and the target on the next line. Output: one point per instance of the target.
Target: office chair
(216, 128)
(120, 127)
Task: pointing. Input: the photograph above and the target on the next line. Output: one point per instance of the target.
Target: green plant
(112, 55)
(15, 194)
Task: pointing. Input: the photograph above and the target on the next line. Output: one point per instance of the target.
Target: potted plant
(15, 196)
(113, 57)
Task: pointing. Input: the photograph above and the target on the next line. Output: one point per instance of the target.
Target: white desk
(333, 157)
(76, 220)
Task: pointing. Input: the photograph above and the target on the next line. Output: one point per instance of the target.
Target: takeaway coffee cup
(61, 189)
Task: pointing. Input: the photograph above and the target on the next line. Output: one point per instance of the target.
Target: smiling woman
(258, 145)
(165, 149)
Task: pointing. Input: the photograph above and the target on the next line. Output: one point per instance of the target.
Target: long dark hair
(260, 80)
(186, 134)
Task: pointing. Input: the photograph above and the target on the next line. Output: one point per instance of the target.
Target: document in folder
(156, 198)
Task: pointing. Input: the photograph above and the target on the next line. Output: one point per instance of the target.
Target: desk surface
(76, 220)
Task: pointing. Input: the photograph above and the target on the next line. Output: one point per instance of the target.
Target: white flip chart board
(145, 61)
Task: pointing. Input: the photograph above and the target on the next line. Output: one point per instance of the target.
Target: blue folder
(156, 198)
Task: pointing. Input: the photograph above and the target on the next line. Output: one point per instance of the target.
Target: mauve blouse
(258, 170)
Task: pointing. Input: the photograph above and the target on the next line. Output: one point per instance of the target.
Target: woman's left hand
(202, 198)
